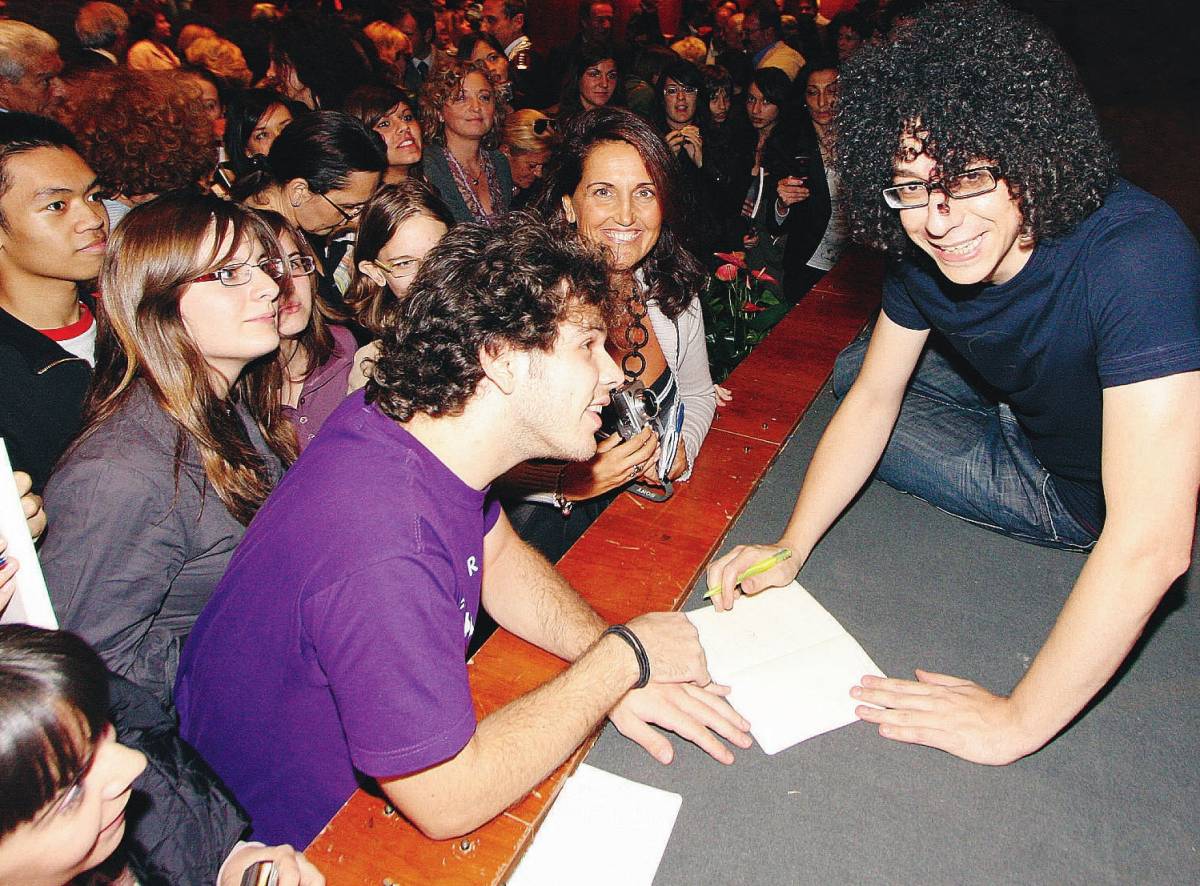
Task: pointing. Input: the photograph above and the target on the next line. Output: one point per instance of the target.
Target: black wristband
(643, 660)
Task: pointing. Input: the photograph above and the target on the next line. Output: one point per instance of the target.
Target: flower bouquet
(740, 308)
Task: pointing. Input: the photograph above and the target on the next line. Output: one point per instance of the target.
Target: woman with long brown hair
(183, 434)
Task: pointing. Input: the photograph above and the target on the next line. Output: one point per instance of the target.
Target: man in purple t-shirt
(333, 651)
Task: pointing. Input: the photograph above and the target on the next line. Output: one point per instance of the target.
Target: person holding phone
(806, 207)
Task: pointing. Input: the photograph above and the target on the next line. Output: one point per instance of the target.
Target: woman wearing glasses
(315, 354)
(399, 226)
(183, 435)
(461, 118)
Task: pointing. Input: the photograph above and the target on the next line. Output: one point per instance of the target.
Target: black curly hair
(484, 285)
(972, 80)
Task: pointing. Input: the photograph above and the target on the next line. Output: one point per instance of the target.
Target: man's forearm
(517, 746)
(848, 452)
(1116, 593)
(528, 596)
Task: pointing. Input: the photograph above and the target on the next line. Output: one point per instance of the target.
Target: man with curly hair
(1061, 404)
(352, 599)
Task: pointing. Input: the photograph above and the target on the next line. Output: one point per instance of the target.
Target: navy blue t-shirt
(1114, 302)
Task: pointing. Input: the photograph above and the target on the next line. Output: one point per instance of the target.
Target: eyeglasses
(541, 124)
(302, 265)
(239, 275)
(673, 91)
(398, 270)
(915, 194)
(349, 213)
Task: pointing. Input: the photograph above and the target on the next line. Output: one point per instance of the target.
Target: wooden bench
(637, 557)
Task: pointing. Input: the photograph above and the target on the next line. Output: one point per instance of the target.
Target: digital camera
(632, 408)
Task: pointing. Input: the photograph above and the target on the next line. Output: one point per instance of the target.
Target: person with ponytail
(183, 433)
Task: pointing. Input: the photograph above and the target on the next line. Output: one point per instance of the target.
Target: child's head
(399, 225)
(64, 779)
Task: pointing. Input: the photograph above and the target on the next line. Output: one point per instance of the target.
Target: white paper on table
(788, 662)
(601, 830)
(31, 602)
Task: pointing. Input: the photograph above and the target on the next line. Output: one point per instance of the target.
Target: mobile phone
(261, 873)
(797, 166)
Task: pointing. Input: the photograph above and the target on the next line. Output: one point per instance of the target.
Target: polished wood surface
(638, 556)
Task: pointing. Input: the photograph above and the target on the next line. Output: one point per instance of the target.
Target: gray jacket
(130, 559)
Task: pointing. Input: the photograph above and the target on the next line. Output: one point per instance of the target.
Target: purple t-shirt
(335, 645)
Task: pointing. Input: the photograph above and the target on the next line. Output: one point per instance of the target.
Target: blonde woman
(528, 142)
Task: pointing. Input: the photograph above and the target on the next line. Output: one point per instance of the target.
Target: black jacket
(42, 387)
(182, 822)
(805, 223)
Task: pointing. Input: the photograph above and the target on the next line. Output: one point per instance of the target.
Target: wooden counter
(367, 843)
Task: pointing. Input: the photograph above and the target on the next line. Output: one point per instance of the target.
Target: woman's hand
(723, 395)
(615, 463)
(294, 869)
(678, 466)
(675, 140)
(693, 144)
(791, 190)
(35, 517)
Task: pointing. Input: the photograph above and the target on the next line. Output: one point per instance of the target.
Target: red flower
(727, 273)
(738, 259)
(764, 276)
(751, 308)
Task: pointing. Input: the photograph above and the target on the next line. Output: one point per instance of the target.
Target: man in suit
(764, 33)
(103, 32)
(505, 20)
(418, 22)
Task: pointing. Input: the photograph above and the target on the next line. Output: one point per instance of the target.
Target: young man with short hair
(1063, 406)
(53, 233)
(334, 648)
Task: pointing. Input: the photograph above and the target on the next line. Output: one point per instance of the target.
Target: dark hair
(774, 85)
(245, 108)
(422, 13)
(978, 81)
(767, 14)
(513, 8)
(672, 274)
(324, 53)
(21, 132)
(570, 102)
(484, 286)
(466, 44)
(684, 73)
(650, 62)
(388, 208)
(852, 19)
(716, 79)
(371, 101)
(53, 710)
(321, 147)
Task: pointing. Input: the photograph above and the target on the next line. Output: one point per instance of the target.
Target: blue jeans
(964, 452)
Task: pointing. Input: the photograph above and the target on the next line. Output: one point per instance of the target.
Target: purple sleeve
(389, 639)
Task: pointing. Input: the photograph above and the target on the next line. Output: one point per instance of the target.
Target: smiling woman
(615, 182)
(153, 496)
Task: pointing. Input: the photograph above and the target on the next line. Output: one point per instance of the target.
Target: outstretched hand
(689, 711)
(949, 713)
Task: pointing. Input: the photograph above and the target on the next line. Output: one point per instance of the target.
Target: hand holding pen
(750, 569)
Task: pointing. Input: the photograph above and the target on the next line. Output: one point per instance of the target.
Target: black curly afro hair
(972, 80)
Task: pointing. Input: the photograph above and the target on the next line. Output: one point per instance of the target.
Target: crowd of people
(315, 331)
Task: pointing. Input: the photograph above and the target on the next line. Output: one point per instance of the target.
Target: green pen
(757, 569)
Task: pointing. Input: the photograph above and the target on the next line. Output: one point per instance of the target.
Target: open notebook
(789, 663)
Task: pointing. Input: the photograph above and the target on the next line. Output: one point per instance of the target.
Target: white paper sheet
(31, 603)
(602, 830)
(789, 663)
